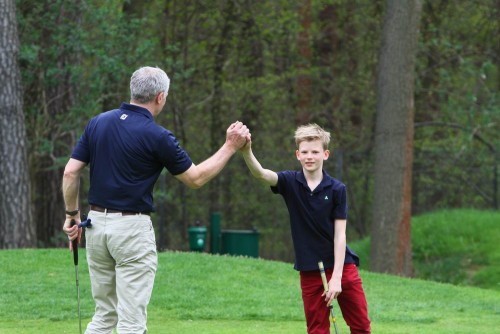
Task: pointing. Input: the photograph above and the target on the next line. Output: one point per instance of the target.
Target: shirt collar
(325, 182)
(137, 109)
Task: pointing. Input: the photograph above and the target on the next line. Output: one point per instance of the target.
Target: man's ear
(159, 97)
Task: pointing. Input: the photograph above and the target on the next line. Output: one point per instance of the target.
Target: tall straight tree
(391, 225)
(304, 81)
(16, 229)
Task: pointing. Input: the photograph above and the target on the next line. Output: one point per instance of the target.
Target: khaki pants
(122, 260)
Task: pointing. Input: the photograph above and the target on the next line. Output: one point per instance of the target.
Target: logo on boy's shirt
(326, 198)
(123, 116)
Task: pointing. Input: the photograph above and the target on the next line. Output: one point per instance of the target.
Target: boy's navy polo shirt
(127, 151)
(312, 214)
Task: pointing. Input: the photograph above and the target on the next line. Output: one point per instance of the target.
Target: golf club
(74, 243)
(325, 286)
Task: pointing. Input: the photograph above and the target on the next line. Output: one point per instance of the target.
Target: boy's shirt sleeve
(281, 186)
(340, 203)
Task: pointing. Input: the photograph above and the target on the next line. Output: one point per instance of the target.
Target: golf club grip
(75, 245)
(323, 275)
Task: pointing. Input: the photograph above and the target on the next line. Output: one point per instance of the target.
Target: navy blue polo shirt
(312, 214)
(127, 151)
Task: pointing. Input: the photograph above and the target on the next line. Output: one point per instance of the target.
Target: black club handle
(75, 245)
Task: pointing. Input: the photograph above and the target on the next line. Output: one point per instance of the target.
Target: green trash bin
(240, 242)
(197, 238)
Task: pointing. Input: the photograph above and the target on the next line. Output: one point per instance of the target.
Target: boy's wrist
(336, 275)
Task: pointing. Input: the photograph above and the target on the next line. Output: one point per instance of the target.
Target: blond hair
(312, 132)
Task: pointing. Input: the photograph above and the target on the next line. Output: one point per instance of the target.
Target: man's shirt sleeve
(171, 154)
(81, 151)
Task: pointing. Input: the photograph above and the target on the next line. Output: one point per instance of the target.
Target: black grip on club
(75, 245)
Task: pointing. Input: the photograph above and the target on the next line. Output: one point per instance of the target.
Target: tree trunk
(16, 225)
(329, 48)
(304, 81)
(496, 154)
(391, 228)
(497, 59)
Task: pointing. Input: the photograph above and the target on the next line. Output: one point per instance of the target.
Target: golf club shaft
(74, 243)
(325, 286)
(78, 299)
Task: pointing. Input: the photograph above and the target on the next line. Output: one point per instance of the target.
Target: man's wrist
(230, 148)
(72, 213)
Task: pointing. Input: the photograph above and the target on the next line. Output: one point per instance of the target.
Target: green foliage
(218, 294)
(233, 61)
(457, 146)
(456, 246)
(453, 246)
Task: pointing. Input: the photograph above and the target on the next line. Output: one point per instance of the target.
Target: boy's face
(311, 155)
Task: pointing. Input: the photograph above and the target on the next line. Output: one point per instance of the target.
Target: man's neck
(147, 106)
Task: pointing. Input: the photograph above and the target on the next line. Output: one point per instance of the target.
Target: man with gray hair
(127, 151)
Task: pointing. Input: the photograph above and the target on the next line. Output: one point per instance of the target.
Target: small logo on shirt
(123, 116)
(326, 198)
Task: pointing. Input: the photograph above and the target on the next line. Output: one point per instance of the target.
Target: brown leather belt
(124, 213)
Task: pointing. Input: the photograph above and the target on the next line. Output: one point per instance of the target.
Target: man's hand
(237, 135)
(73, 232)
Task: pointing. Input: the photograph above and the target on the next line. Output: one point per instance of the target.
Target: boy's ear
(327, 154)
(297, 153)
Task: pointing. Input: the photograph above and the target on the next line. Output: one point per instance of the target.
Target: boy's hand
(248, 145)
(334, 290)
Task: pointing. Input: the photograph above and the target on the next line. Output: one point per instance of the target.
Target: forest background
(273, 65)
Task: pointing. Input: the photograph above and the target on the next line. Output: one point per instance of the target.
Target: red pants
(352, 301)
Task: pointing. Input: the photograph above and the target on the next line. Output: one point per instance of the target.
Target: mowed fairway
(201, 293)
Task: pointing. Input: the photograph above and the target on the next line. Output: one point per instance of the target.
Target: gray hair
(147, 82)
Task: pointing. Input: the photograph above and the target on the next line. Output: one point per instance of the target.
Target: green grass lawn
(201, 293)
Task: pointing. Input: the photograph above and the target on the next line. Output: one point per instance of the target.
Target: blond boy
(317, 207)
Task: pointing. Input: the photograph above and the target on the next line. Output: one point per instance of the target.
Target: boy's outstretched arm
(266, 175)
